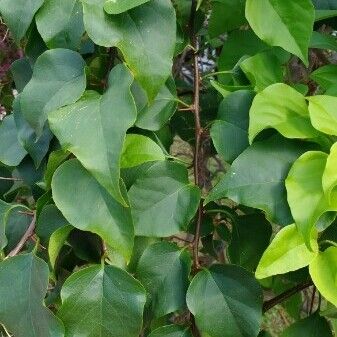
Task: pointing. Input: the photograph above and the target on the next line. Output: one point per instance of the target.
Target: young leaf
(87, 206)
(25, 277)
(162, 200)
(287, 252)
(323, 113)
(139, 149)
(283, 108)
(11, 151)
(94, 129)
(56, 242)
(18, 15)
(145, 35)
(60, 23)
(58, 79)
(169, 278)
(262, 185)
(313, 326)
(120, 6)
(323, 271)
(102, 301)
(276, 22)
(226, 301)
(171, 331)
(230, 132)
(306, 197)
(329, 179)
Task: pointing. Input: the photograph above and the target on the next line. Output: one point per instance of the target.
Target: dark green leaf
(58, 79)
(88, 206)
(171, 331)
(230, 133)
(95, 132)
(11, 151)
(120, 6)
(162, 200)
(18, 15)
(244, 250)
(102, 301)
(146, 36)
(60, 23)
(256, 178)
(226, 301)
(25, 278)
(166, 282)
(312, 326)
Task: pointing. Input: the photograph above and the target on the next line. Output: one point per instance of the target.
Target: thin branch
(312, 301)
(29, 232)
(285, 295)
(9, 178)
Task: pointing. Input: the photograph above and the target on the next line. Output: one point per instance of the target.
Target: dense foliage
(168, 168)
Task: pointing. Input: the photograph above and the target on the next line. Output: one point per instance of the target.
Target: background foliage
(168, 168)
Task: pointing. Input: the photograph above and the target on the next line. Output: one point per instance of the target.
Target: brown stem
(285, 295)
(312, 300)
(198, 130)
(29, 232)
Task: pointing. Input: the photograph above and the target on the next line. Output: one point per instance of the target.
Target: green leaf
(163, 201)
(139, 149)
(49, 221)
(167, 282)
(276, 22)
(262, 70)
(230, 133)
(287, 252)
(226, 301)
(323, 113)
(87, 206)
(145, 35)
(56, 158)
(244, 251)
(60, 23)
(56, 242)
(37, 149)
(226, 15)
(323, 14)
(283, 108)
(323, 271)
(4, 210)
(323, 41)
(102, 301)
(306, 197)
(120, 6)
(11, 151)
(58, 79)
(262, 185)
(153, 117)
(325, 76)
(313, 326)
(18, 15)
(94, 129)
(239, 44)
(171, 331)
(25, 277)
(22, 73)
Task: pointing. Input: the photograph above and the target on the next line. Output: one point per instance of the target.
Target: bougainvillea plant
(168, 168)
